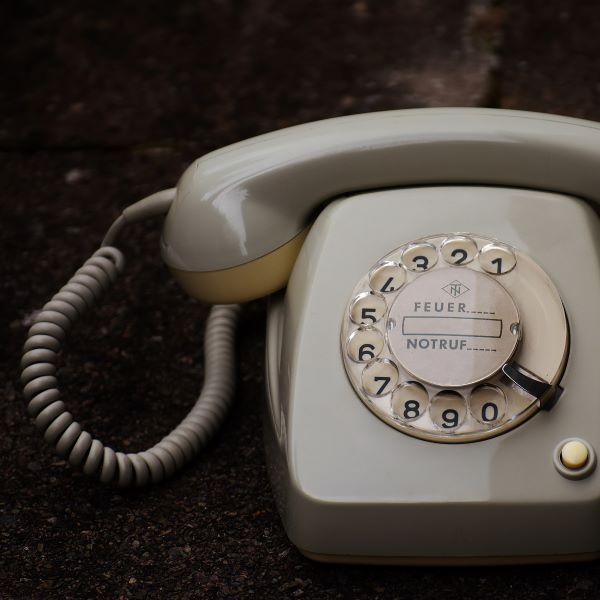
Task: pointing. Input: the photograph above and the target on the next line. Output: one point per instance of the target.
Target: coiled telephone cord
(44, 344)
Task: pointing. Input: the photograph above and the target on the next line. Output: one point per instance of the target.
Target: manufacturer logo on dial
(455, 288)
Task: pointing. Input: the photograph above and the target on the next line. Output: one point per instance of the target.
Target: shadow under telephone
(429, 401)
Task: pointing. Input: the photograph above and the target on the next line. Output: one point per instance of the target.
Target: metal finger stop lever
(535, 387)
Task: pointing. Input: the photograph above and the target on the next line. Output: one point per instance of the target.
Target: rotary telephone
(431, 396)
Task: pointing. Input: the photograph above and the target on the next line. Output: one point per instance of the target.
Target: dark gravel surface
(102, 103)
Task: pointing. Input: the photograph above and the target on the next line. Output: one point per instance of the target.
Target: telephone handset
(433, 257)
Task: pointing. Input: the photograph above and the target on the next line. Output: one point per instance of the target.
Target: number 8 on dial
(409, 401)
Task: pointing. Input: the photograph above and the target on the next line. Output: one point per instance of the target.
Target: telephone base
(351, 488)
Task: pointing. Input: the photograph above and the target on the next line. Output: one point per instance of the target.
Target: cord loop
(40, 354)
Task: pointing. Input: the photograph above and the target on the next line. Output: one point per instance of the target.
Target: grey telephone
(431, 366)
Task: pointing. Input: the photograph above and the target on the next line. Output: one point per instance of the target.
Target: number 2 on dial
(462, 254)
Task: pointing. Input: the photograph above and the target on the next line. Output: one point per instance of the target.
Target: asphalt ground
(102, 103)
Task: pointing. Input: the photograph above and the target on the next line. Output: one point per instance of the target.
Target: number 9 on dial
(448, 410)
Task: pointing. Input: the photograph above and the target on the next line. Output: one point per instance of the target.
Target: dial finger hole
(387, 277)
(409, 401)
(458, 250)
(365, 344)
(367, 308)
(419, 257)
(448, 410)
(379, 377)
(497, 259)
(488, 404)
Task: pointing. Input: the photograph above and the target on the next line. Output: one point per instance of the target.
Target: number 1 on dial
(498, 263)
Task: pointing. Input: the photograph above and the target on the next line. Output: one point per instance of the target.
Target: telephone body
(351, 486)
(431, 389)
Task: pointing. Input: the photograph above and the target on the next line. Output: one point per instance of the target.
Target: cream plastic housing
(350, 487)
(245, 201)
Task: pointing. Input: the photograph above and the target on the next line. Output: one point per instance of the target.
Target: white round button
(365, 344)
(409, 401)
(379, 377)
(387, 277)
(497, 259)
(574, 454)
(419, 257)
(448, 410)
(458, 250)
(367, 308)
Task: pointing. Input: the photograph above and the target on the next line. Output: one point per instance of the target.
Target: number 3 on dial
(419, 257)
